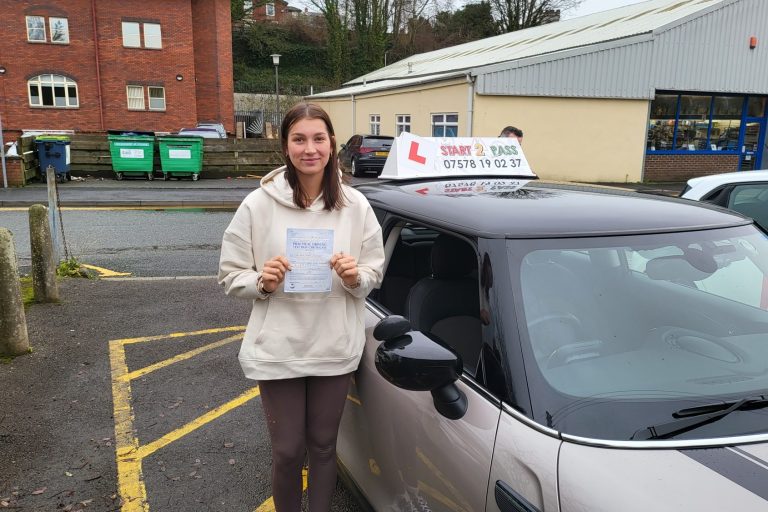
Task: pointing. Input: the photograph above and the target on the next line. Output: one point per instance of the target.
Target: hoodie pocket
(304, 329)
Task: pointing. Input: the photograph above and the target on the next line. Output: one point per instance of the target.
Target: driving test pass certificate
(309, 251)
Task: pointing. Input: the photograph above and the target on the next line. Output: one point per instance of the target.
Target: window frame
(53, 82)
(375, 124)
(270, 6)
(152, 37)
(712, 117)
(43, 28)
(128, 97)
(149, 97)
(137, 35)
(66, 29)
(401, 125)
(444, 123)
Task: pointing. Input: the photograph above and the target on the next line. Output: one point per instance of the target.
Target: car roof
(700, 186)
(540, 209)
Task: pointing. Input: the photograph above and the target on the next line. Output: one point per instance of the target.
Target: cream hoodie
(300, 334)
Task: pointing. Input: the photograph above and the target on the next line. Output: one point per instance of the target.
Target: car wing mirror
(343, 146)
(410, 360)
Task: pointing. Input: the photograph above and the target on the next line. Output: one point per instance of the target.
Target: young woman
(303, 347)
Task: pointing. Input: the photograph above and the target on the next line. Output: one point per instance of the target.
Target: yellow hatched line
(129, 341)
(464, 505)
(149, 449)
(269, 505)
(130, 481)
(180, 357)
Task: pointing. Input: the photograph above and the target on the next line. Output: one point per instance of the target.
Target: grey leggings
(303, 416)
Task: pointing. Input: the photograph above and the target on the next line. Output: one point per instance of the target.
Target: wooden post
(14, 339)
(43, 262)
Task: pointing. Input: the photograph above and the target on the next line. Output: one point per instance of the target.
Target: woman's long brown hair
(331, 186)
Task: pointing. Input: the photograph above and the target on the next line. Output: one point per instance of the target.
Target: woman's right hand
(273, 273)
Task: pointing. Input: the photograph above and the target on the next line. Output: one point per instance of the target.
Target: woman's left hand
(346, 267)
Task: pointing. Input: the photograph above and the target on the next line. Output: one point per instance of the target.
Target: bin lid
(180, 138)
(131, 133)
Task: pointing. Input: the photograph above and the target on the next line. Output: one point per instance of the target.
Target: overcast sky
(591, 6)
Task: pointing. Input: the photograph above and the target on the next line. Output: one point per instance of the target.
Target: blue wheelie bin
(53, 150)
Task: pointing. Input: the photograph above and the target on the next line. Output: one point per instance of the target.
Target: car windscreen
(371, 142)
(619, 333)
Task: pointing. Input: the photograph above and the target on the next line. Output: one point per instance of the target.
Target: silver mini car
(543, 347)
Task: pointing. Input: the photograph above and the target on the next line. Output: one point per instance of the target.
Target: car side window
(432, 279)
(751, 200)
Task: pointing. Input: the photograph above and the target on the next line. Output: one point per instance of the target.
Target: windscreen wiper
(694, 417)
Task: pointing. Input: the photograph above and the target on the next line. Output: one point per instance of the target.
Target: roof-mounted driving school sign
(412, 156)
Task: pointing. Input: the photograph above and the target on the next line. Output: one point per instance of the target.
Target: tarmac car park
(745, 192)
(546, 347)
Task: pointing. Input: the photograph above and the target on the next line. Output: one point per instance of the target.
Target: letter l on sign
(414, 154)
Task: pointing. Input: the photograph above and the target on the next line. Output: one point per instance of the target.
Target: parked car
(545, 347)
(745, 192)
(219, 127)
(206, 133)
(364, 154)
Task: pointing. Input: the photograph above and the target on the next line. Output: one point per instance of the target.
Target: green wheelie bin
(181, 156)
(132, 154)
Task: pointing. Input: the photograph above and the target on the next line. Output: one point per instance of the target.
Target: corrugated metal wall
(711, 53)
(608, 72)
(707, 53)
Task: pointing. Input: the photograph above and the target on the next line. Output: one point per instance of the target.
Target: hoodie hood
(277, 187)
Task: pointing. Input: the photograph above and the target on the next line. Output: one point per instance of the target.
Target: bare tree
(518, 14)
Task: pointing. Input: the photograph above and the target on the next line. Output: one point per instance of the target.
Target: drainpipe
(354, 114)
(98, 63)
(470, 103)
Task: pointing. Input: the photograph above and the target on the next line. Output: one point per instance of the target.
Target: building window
(52, 91)
(375, 124)
(152, 36)
(270, 9)
(402, 123)
(59, 30)
(135, 97)
(36, 28)
(694, 122)
(132, 35)
(445, 125)
(156, 98)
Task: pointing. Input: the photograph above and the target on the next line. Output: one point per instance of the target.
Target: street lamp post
(276, 62)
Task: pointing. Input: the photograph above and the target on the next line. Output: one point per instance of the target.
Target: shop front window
(661, 127)
(693, 123)
(726, 123)
(756, 107)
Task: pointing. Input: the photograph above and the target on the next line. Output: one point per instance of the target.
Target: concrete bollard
(43, 261)
(14, 339)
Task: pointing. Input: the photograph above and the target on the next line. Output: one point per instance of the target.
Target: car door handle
(508, 500)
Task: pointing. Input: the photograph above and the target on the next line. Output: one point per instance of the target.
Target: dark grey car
(542, 347)
(365, 154)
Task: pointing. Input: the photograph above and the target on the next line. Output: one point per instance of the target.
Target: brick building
(92, 66)
(275, 11)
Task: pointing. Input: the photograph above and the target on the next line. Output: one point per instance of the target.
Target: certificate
(309, 251)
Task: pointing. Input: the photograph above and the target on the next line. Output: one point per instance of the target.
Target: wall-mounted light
(179, 78)
(752, 43)
(2, 70)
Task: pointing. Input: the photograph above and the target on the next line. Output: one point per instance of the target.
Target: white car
(745, 192)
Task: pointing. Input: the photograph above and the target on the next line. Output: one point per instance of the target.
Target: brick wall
(212, 29)
(14, 172)
(260, 11)
(106, 107)
(683, 167)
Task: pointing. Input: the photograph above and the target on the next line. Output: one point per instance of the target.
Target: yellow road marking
(269, 505)
(128, 341)
(439, 474)
(442, 498)
(354, 400)
(105, 272)
(149, 449)
(130, 481)
(180, 357)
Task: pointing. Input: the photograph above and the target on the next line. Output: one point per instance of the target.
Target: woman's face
(309, 146)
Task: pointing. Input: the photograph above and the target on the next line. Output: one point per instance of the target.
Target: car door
(402, 453)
